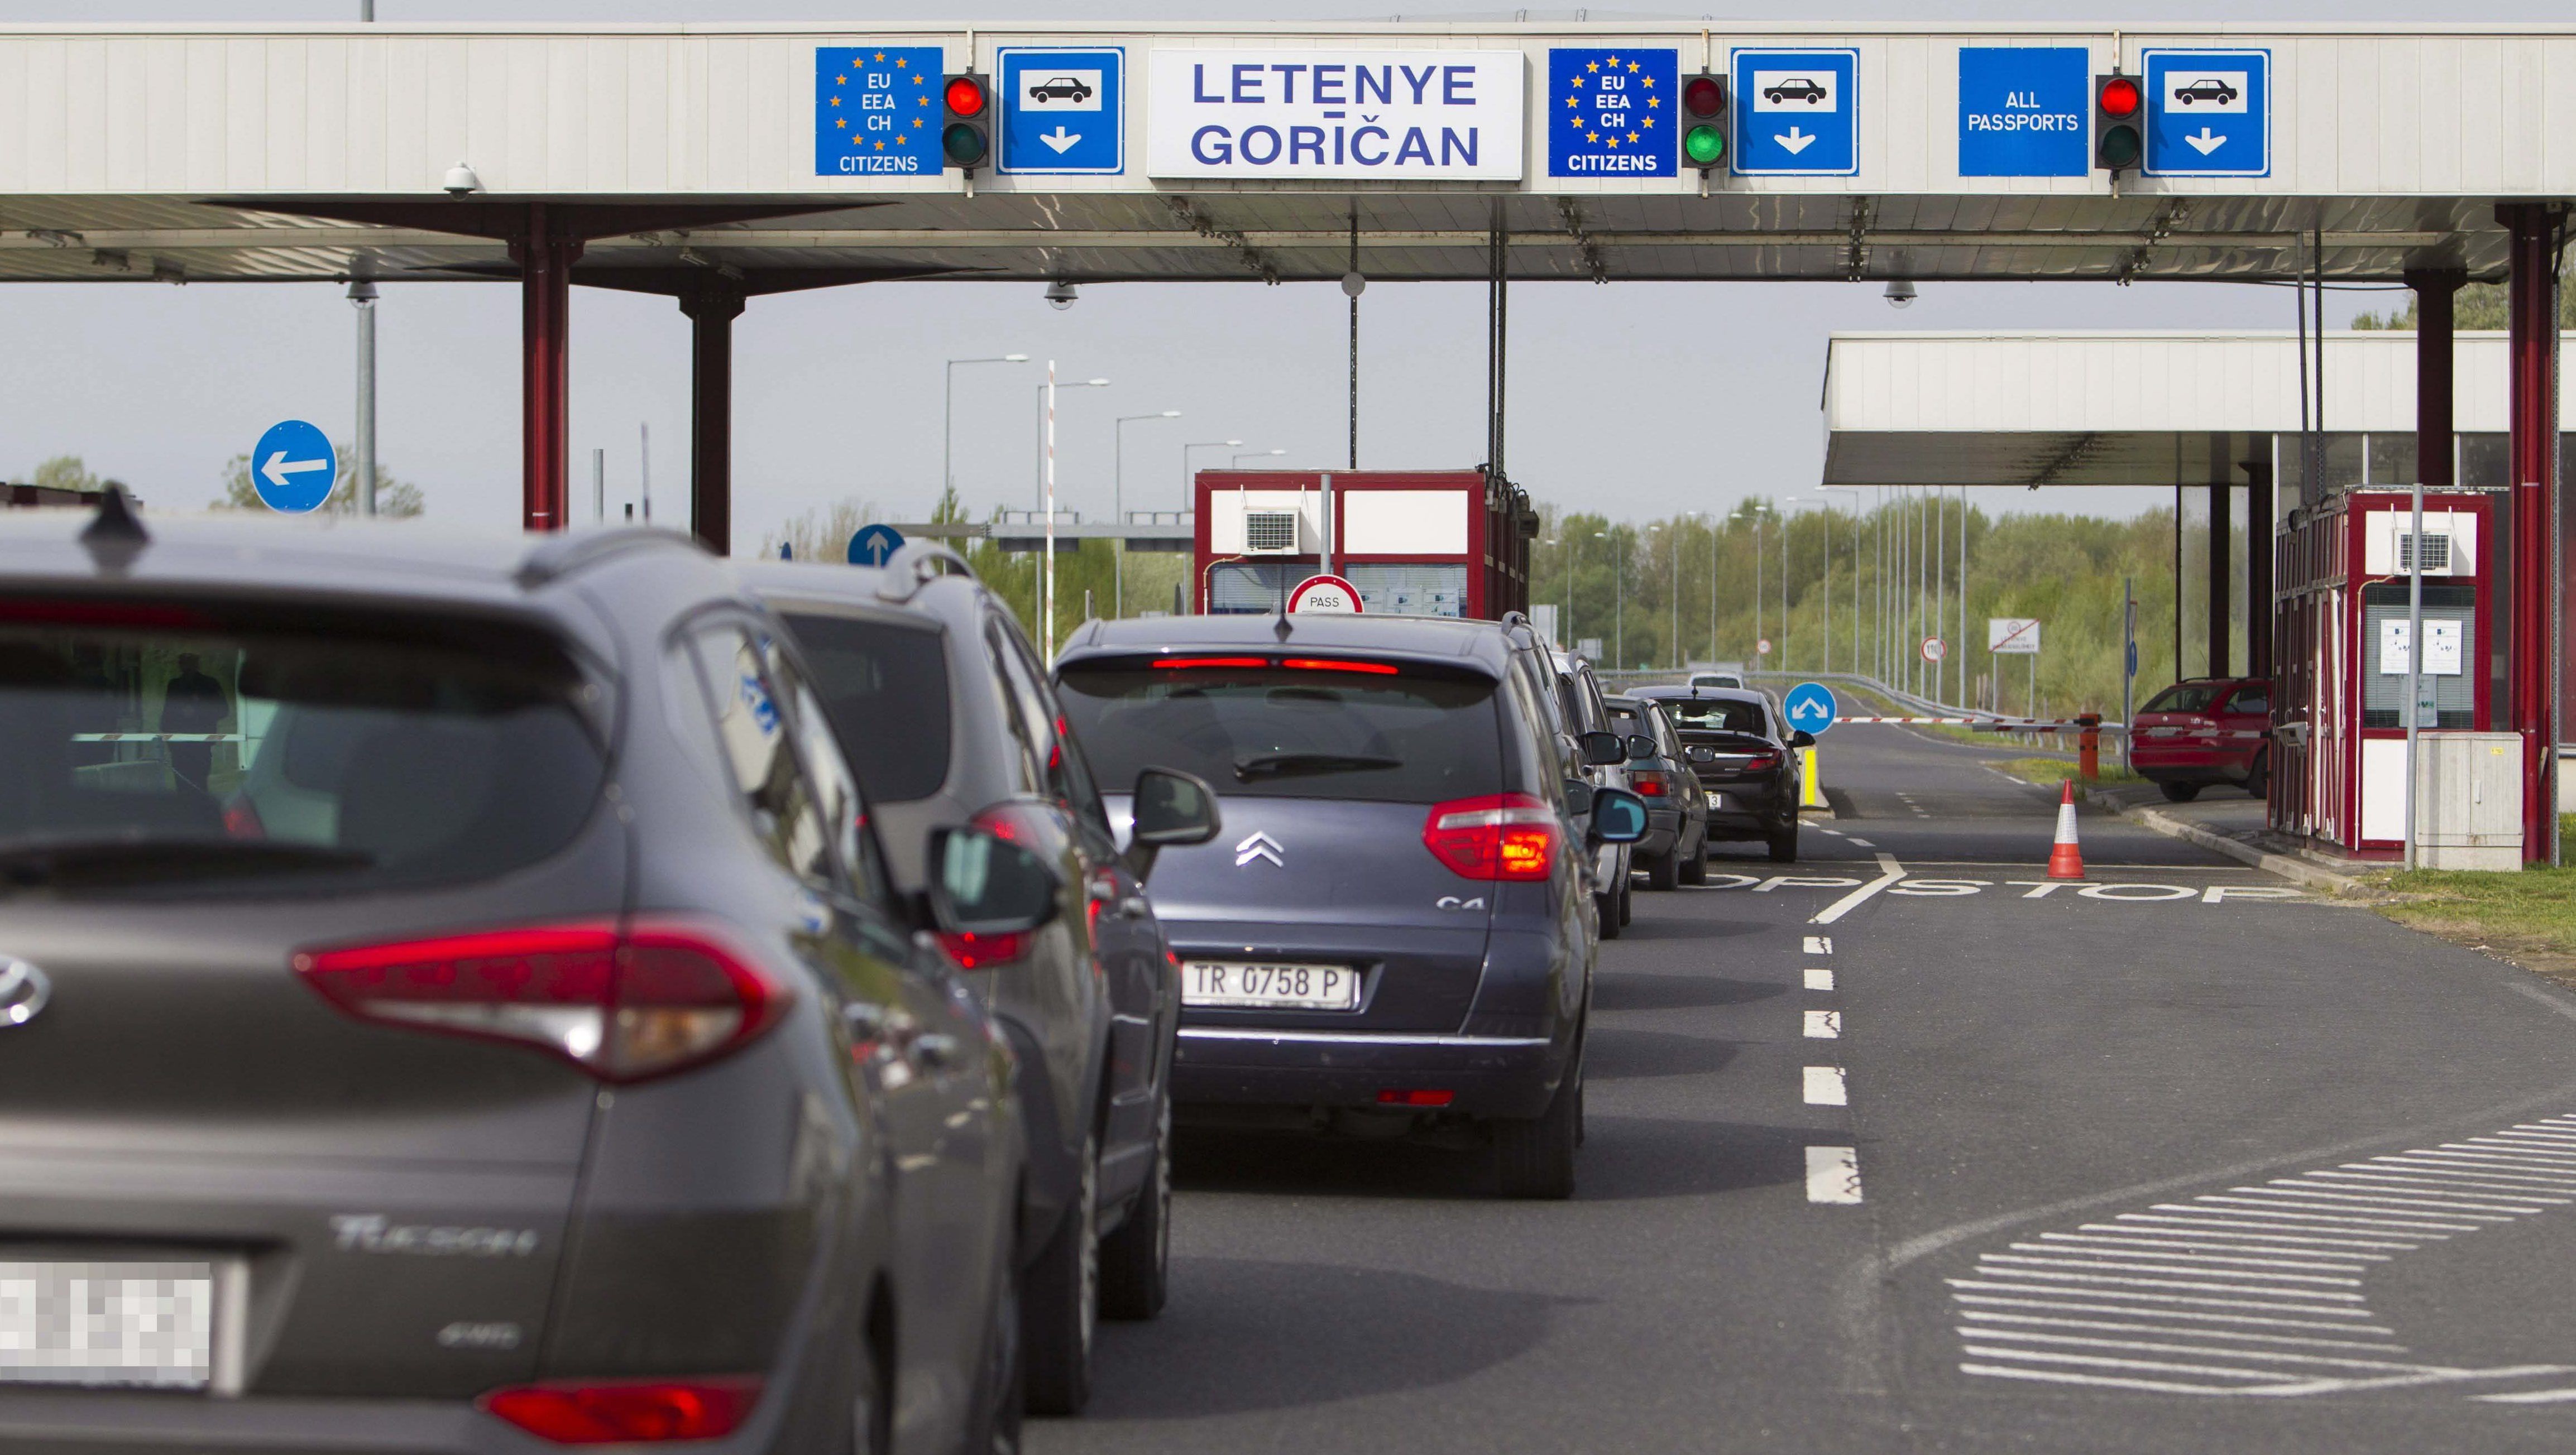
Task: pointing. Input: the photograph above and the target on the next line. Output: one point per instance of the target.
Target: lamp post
(1046, 403)
(1118, 507)
(1189, 494)
(1757, 509)
(948, 417)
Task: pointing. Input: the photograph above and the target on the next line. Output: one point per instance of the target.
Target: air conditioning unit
(1270, 533)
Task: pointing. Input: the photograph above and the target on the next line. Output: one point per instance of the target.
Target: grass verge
(2528, 918)
(2049, 772)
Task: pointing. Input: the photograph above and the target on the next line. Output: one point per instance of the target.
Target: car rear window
(885, 686)
(191, 758)
(1716, 714)
(2185, 697)
(1280, 732)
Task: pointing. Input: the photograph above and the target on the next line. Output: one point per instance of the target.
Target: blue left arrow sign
(293, 466)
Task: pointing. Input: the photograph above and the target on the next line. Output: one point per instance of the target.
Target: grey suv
(945, 712)
(477, 1016)
(1396, 933)
(1577, 712)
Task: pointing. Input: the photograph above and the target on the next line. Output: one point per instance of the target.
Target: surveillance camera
(461, 181)
(1900, 293)
(1353, 285)
(1061, 294)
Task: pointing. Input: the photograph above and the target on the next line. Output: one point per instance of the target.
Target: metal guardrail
(1931, 710)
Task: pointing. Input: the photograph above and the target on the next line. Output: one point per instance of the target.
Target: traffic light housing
(965, 121)
(1703, 122)
(2119, 122)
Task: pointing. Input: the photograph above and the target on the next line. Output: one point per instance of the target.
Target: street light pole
(1118, 498)
(362, 294)
(948, 418)
(1189, 490)
(1256, 455)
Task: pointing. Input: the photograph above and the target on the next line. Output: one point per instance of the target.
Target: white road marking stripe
(2211, 1252)
(1833, 1174)
(2469, 1161)
(2511, 1151)
(1820, 944)
(2104, 1361)
(2467, 1176)
(1863, 844)
(2192, 1300)
(2164, 1227)
(1824, 1086)
(2528, 1396)
(2041, 1270)
(2333, 1213)
(1889, 872)
(2131, 1326)
(1820, 979)
(2560, 1135)
(2103, 1258)
(2167, 1313)
(1824, 1025)
(2216, 1221)
(2393, 1197)
(2052, 1376)
(2431, 1183)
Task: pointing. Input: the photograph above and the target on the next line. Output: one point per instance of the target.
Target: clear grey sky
(1639, 399)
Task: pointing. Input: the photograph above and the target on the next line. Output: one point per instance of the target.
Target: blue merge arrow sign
(1811, 706)
(292, 467)
(874, 545)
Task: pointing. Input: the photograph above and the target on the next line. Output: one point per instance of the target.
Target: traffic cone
(2065, 860)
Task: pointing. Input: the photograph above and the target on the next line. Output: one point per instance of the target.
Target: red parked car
(2205, 730)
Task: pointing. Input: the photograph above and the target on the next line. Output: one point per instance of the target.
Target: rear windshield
(2185, 697)
(1273, 732)
(885, 686)
(1714, 714)
(198, 760)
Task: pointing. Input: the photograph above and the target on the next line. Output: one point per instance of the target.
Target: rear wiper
(1281, 765)
(29, 864)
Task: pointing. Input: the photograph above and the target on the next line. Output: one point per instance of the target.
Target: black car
(481, 1019)
(949, 719)
(1060, 88)
(1796, 88)
(2208, 88)
(1674, 851)
(1395, 933)
(1746, 758)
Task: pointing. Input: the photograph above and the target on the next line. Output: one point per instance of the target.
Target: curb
(2295, 870)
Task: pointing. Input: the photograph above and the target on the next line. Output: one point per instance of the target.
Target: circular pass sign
(1325, 595)
(1934, 649)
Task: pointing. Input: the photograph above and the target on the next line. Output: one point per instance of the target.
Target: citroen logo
(23, 991)
(1259, 846)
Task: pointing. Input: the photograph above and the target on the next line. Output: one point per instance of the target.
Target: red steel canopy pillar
(545, 254)
(712, 301)
(2531, 322)
(2259, 617)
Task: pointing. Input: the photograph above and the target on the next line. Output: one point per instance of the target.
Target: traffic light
(1704, 122)
(966, 121)
(2118, 107)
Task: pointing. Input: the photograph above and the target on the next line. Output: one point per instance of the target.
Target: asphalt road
(2185, 1160)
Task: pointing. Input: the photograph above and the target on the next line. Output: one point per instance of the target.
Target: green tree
(393, 497)
(66, 472)
(822, 534)
(2476, 306)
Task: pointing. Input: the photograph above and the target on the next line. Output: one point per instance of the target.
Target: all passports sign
(1338, 115)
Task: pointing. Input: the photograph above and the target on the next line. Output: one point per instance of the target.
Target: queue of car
(474, 994)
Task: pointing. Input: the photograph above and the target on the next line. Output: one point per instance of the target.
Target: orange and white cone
(2065, 860)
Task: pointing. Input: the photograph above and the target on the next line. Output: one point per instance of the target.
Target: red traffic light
(1703, 96)
(2118, 97)
(965, 96)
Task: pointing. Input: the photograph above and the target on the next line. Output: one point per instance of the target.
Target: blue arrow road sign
(1062, 111)
(874, 545)
(1793, 113)
(292, 467)
(1811, 706)
(2209, 113)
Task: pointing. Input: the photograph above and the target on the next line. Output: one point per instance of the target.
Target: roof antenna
(115, 536)
(1281, 628)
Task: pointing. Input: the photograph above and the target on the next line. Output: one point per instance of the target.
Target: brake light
(638, 1410)
(59, 612)
(1498, 836)
(241, 819)
(1327, 664)
(1763, 760)
(657, 997)
(1649, 782)
(1414, 1096)
(1189, 663)
(1294, 664)
(983, 952)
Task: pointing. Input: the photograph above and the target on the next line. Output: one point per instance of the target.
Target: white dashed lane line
(1824, 1025)
(1833, 1174)
(1824, 1086)
(1820, 944)
(1819, 978)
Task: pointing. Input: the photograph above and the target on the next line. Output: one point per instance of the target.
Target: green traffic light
(964, 144)
(2119, 147)
(1704, 145)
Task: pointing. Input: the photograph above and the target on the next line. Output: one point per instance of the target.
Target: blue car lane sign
(1063, 111)
(876, 110)
(2024, 110)
(1793, 113)
(293, 467)
(1609, 111)
(2209, 113)
(874, 545)
(1810, 706)
(1384, 116)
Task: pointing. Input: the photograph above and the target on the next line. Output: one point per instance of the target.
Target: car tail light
(241, 819)
(654, 998)
(1414, 1096)
(1020, 823)
(627, 1411)
(1499, 836)
(984, 952)
(1328, 664)
(1763, 760)
(1183, 664)
(1649, 782)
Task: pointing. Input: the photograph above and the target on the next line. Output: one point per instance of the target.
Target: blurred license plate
(1716, 799)
(151, 1324)
(1286, 987)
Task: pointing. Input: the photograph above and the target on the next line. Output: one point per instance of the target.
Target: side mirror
(1578, 798)
(1601, 749)
(1802, 738)
(987, 886)
(1618, 816)
(1171, 809)
(1641, 746)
